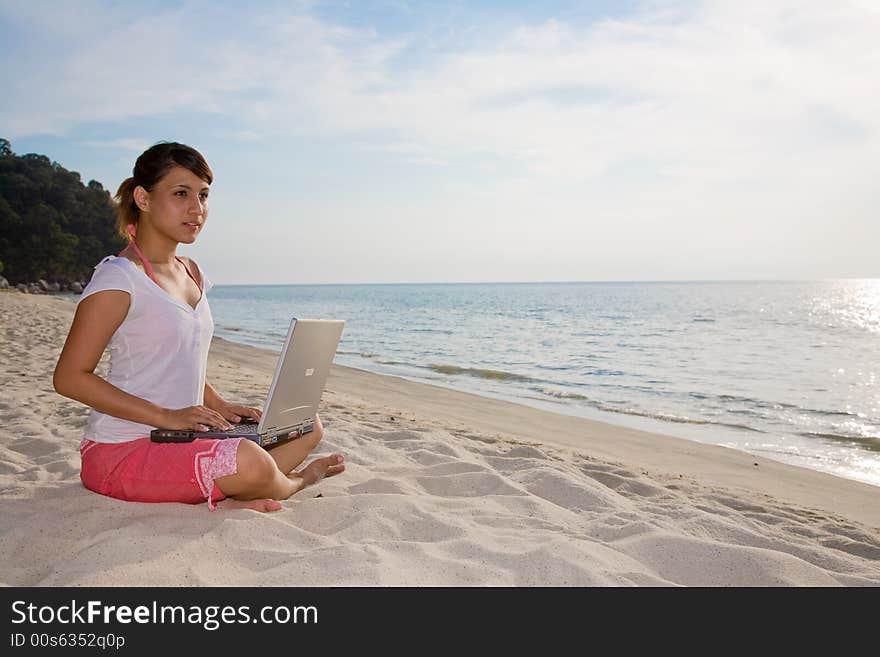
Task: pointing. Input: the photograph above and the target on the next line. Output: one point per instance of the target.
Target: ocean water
(787, 370)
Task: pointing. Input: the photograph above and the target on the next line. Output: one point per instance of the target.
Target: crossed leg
(290, 454)
(264, 477)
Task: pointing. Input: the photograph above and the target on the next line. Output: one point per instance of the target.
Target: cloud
(563, 99)
(721, 84)
(673, 122)
(132, 145)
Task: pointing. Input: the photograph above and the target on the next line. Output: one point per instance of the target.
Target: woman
(149, 306)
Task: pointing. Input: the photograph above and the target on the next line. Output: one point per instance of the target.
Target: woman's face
(177, 206)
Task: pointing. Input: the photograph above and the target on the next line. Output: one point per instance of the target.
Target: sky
(408, 142)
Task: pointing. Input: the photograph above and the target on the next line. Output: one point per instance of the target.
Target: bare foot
(327, 466)
(263, 506)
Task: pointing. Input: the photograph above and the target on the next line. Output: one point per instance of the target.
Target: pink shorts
(143, 471)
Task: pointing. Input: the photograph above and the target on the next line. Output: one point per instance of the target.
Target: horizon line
(575, 282)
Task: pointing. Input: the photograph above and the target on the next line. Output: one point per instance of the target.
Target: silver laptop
(296, 389)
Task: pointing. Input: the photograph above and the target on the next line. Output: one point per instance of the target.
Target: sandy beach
(442, 488)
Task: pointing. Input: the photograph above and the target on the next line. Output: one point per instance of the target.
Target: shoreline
(711, 465)
(753, 368)
(702, 431)
(442, 488)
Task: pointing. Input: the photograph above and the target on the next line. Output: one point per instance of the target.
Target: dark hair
(152, 165)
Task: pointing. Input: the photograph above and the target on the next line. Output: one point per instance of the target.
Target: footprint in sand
(567, 491)
(427, 457)
(379, 486)
(468, 484)
(524, 451)
(626, 485)
(453, 468)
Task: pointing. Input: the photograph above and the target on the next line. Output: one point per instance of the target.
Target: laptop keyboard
(245, 427)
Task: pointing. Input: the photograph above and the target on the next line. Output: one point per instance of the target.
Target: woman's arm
(96, 320)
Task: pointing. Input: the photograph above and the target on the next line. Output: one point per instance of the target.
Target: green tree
(51, 225)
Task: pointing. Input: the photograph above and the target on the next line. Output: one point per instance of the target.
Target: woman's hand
(197, 418)
(238, 413)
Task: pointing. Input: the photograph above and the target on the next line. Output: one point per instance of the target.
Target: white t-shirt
(158, 353)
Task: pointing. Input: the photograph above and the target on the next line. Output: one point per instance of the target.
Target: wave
(601, 372)
(654, 415)
(494, 375)
(680, 419)
(822, 412)
(376, 357)
(451, 370)
(757, 402)
(562, 395)
(553, 368)
(777, 405)
(362, 354)
(440, 331)
(871, 443)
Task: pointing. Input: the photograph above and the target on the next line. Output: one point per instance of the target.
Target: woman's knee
(255, 466)
(316, 434)
(311, 439)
